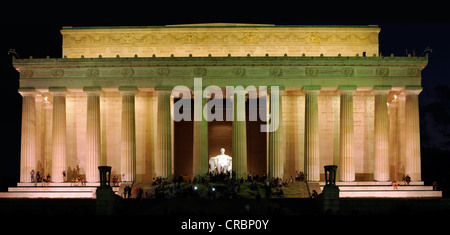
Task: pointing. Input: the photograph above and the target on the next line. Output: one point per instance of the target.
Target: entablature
(287, 71)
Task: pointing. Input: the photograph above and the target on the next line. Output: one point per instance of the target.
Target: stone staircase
(52, 190)
(371, 189)
(300, 189)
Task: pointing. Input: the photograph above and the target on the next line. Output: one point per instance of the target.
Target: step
(390, 194)
(373, 183)
(65, 184)
(47, 194)
(56, 189)
(52, 189)
(384, 188)
(373, 189)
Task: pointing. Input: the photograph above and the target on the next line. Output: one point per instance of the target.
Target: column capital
(93, 90)
(164, 88)
(381, 89)
(412, 90)
(128, 90)
(58, 91)
(311, 89)
(163, 91)
(347, 89)
(27, 91)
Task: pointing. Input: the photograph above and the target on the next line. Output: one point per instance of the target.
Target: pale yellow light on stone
(28, 140)
(346, 147)
(413, 166)
(164, 136)
(381, 133)
(239, 139)
(59, 135)
(276, 144)
(93, 134)
(312, 162)
(200, 142)
(219, 39)
(128, 143)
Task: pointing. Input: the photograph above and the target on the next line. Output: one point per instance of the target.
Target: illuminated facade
(108, 100)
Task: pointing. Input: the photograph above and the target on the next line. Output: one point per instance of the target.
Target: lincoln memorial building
(111, 97)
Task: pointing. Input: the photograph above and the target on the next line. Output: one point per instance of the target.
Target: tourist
(125, 191)
(314, 194)
(435, 185)
(395, 185)
(38, 177)
(301, 176)
(32, 175)
(64, 176)
(408, 179)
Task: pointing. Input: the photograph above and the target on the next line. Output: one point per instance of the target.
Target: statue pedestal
(106, 198)
(330, 193)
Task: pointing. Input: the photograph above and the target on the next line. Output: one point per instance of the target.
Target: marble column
(239, 139)
(28, 137)
(93, 141)
(128, 129)
(276, 144)
(412, 166)
(59, 134)
(200, 149)
(164, 134)
(394, 132)
(312, 168)
(381, 134)
(346, 134)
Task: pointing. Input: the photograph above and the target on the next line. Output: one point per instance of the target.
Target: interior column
(239, 141)
(200, 140)
(275, 147)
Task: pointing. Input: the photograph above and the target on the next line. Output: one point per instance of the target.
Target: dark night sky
(406, 28)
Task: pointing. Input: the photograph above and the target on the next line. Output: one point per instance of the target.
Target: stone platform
(360, 189)
(372, 189)
(52, 190)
